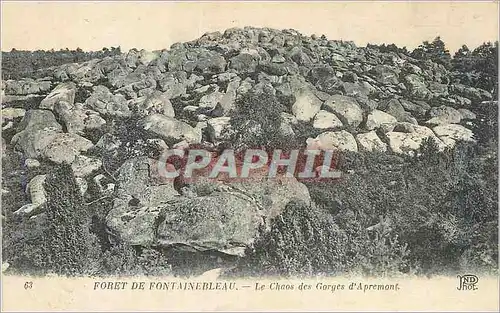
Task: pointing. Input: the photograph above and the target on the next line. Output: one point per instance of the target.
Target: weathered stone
(416, 87)
(370, 142)
(36, 130)
(170, 129)
(31, 163)
(210, 100)
(218, 128)
(65, 147)
(155, 103)
(444, 115)
(221, 222)
(339, 140)
(9, 114)
(84, 166)
(76, 118)
(385, 75)
(227, 101)
(104, 102)
(407, 143)
(346, 108)
(63, 92)
(467, 114)
(245, 62)
(451, 133)
(139, 180)
(357, 89)
(474, 94)
(377, 118)
(306, 105)
(439, 90)
(27, 87)
(394, 108)
(418, 108)
(324, 119)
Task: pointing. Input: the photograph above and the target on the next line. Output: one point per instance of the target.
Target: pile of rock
(359, 99)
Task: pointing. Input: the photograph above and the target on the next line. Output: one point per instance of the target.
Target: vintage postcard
(249, 156)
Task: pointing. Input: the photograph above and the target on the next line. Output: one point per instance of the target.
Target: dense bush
(478, 68)
(69, 247)
(126, 260)
(308, 240)
(257, 122)
(435, 51)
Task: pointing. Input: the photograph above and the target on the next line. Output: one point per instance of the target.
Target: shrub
(257, 122)
(69, 247)
(303, 240)
(478, 68)
(434, 51)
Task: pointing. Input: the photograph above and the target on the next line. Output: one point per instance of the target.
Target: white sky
(156, 25)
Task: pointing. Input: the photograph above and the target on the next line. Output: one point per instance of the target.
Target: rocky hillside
(110, 118)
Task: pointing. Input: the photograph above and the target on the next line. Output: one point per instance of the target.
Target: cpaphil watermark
(304, 165)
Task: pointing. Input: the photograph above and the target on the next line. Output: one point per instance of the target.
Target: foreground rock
(215, 216)
(35, 131)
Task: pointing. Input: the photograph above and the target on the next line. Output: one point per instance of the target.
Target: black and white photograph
(182, 140)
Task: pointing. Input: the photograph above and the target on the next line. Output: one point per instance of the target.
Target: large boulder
(223, 222)
(474, 94)
(416, 87)
(218, 128)
(202, 61)
(444, 115)
(218, 215)
(9, 114)
(228, 100)
(140, 190)
(155, 103)
(210, 100)
(377, 118)
(83, 166)
(76, 118)
(395, 108)
(438, 90)
(106, 103)
(245, 62)
(324, 119)
(451, 133)
(65, 147)
(339, 140)
(346, 108)
(306, 105)
(407, 142)
(170, 129)
(385, 75)
(370, 142)
(35, 131)
(63, 92)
